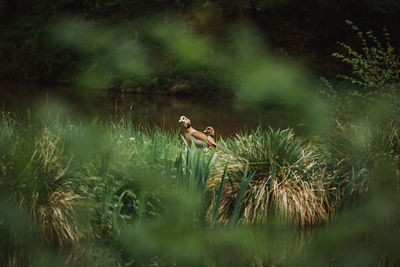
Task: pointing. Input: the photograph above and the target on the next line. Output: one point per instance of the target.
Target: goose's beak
(180, 120)
(205, 131)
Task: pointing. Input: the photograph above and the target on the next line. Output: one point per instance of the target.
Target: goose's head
(209, 130)
(185, 121)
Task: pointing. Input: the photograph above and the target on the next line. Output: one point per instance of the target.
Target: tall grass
(355, 150)
(37, 173)
(79, 182)
(289, 178)
(120, 194)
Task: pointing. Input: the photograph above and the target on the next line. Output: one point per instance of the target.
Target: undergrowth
(122, 194)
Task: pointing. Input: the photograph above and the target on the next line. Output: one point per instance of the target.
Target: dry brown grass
(297, 188)
(55, 218)
(48, 195)
(56, 213)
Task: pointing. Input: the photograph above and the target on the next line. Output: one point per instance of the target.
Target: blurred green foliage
(119, 194)
(115, 194)
(25, 53)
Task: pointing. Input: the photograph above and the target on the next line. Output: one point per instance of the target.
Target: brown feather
(211, 142)
(198, 138)
(211, 137)
(198, 135)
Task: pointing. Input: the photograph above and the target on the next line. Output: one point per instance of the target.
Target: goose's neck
(212, 134)
(189, 128)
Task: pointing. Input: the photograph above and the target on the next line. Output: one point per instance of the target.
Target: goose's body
(211, 136)
(198, 138)
(194, 136)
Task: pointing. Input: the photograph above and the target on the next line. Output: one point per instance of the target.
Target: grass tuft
(289, 178)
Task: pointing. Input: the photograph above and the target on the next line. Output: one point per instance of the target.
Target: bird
(192, 135)
(211, 135)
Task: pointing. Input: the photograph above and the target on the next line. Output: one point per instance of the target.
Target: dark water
(225, 116)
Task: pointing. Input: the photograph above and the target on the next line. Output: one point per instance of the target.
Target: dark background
(306, 31)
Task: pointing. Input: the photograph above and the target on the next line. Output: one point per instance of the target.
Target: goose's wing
(198, 136)
(211, 142)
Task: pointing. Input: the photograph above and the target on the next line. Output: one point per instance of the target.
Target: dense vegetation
(118, 195)
(106, 191)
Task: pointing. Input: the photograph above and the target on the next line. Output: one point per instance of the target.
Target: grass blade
(243, 186)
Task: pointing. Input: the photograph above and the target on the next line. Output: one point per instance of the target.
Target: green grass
(289, 178)
(119, 194)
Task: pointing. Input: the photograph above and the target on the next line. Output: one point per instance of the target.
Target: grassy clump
(290, 178)
(37, 172)
(355, 152)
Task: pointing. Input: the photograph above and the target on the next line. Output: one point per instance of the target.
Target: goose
(211, 135)
(192, 135)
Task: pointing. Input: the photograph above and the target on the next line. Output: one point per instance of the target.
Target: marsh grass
(37, 172)
(288, 179)
(119, 193)
(354, 151)
(82, 181)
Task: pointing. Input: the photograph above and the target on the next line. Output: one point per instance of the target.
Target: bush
(377, 66)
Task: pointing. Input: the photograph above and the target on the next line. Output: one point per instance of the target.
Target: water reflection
(144, 109)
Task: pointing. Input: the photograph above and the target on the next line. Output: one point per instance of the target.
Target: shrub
(377, 66)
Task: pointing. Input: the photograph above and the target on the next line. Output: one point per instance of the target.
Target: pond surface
(153, 110)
